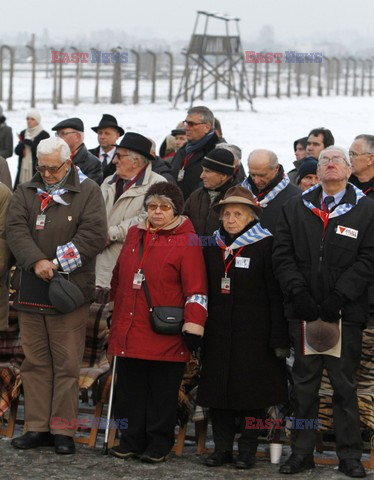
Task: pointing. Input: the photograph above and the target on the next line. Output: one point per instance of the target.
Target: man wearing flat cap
(323, 257)
(124, 194)
(217, 176)
(56, 222)
(108, 132)
(72, 131)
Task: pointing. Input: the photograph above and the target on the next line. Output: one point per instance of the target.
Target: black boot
(33, 440)
(218, 458)
(297, 463)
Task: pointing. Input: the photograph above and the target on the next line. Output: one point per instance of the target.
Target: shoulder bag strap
(146, 291)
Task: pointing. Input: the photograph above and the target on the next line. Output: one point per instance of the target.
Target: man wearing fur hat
(217, 176)
(201, 139)
(72, 131)
(323, 257)
(108, 132)
(124, 195)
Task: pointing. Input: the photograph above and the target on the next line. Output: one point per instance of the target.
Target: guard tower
(213, 60)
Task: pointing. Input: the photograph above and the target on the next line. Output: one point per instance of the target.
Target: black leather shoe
(218, 458)
(297, 463)
(121, 451)
(64, 445)
(149, 457)
(245, 460)
(352, 467)
(33, 440)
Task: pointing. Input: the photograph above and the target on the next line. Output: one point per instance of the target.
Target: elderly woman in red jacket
(150, 365)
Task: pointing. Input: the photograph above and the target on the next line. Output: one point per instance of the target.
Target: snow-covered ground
(274, 125)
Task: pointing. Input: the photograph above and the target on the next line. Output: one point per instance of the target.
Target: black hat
(178, 131)
(64, 295)
(169, 190)
(137, 143)
(75, 123)
(220, 160)
(108, 121)
(307, 167)
(322, 336)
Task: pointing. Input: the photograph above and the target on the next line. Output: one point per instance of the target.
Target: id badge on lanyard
(225, 285)
(137, 282)
(40, 221)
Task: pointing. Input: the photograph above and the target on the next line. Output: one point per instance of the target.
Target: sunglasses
(192, 124)
(42, 169)
(163, 207)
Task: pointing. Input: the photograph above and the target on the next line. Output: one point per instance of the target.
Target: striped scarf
(253, 235)
(273, 192)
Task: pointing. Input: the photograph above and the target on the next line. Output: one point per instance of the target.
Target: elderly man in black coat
(270, 185)
(324, 260)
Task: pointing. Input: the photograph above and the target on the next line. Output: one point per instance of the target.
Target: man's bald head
(263, 167)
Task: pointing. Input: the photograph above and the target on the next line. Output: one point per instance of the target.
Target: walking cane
(109, 414)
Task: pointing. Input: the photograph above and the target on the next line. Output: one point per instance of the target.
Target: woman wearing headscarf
(246, 340)
(162, 255)
(26, 149)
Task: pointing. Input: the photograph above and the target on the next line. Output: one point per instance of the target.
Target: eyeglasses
(164, 207)
(120, 155)
(52, 170)
(63, 134)
(192, 124)
(354, 154)
(324, 161)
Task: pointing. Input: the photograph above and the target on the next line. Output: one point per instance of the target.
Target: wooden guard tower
(213, 60)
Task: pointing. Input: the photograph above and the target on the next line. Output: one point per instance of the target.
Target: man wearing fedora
(56, 221)
(108, 132)
(217, 176)
(124, 194)
(323, 257)
(72, 131)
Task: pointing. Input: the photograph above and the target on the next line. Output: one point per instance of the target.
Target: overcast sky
(172, 20)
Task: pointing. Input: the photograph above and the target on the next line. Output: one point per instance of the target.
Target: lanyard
(185, 160)
(230, 262)
(146, 246)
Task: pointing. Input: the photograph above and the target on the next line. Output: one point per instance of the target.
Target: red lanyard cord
(146, 247)
(230, 262)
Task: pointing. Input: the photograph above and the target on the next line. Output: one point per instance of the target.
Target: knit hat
(169, 190)
(322, 336)
(241, 195)
(74, 123)
(307, 167)
(219, 160)
(35, 114)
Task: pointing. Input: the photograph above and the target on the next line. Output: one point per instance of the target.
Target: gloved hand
(330, 308)
(304, 306)
(282, 353)
(28, 141)
(194, 343)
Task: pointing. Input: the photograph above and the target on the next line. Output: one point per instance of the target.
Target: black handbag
(164, 320)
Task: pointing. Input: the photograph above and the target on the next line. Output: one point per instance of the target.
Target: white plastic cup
(275, 452)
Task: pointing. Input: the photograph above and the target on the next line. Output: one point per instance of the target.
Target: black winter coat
(240, 370)
(200, 211)
(191, 180)
(338, 263)
(21, 147)
(89, 164)
(109, 170)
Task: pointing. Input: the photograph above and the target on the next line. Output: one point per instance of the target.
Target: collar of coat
(253, 235)
(277, 185)
(144, 224)
(142, 180)
(312, 199)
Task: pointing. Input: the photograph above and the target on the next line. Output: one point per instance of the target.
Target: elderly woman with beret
(162, 253)
(246, 338)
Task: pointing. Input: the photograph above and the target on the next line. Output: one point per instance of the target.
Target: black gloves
(330, 308)
(28, 141)
(304, 306)
(194, 343)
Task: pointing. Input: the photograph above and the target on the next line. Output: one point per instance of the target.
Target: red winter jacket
(175, 273)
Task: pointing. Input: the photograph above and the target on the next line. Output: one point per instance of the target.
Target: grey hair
(342, 150)
(206, 114)
(234, 149)
(272, 157)
(135, 155)
(253, 213)
(160, 198)
(368, 139)
(54, 144)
